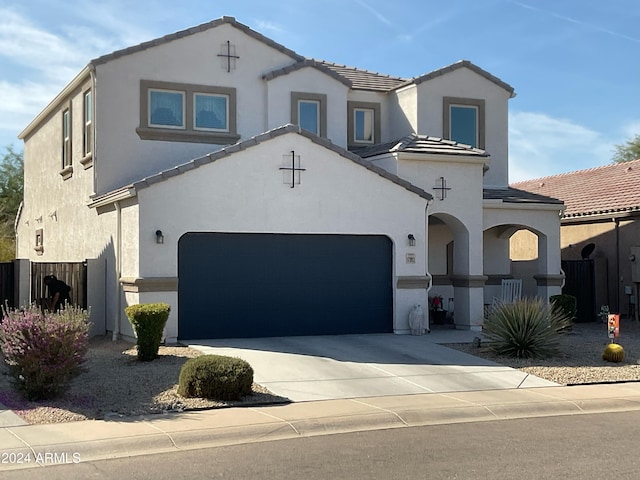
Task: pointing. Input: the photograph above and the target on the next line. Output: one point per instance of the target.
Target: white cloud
(265, 25)
(374, 12)
(540, 145)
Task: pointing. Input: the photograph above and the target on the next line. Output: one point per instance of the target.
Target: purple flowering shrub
(44, 351)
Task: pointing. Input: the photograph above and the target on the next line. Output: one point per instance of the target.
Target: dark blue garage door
(266, 285)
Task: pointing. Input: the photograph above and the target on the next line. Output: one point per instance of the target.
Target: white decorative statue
(417, 321)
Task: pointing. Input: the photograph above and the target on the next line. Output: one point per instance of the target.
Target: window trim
(478, 103)
(187, 134)
(320, 98)
(183, 125)
(87, 130)
(352, 106)
(206, 129)
(67, 141)
(39, 241)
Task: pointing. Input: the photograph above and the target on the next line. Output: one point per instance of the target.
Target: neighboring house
(262, 193)
(603, 209)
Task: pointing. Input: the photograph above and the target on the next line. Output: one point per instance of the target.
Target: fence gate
(73, 274)
(7, 288)
(580, 282)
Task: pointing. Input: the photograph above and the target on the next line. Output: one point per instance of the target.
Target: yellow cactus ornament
(613, 353)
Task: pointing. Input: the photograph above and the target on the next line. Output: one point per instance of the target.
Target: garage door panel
(255, 285)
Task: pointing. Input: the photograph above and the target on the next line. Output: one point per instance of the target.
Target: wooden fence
(73, 274)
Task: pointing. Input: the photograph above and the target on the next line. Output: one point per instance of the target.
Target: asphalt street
(584, 447)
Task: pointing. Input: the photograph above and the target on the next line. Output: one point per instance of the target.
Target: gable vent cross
(442, 187)
(295, 168)
(228, 51)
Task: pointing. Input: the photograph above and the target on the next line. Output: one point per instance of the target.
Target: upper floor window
(166, 109)
(66, 138)
(464, 121)
(309, 110)
(211, 112)
(363, 123)
(88, 120)
(187, 113)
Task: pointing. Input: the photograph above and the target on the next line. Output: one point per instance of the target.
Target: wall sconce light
(412, 240)
(159, 236)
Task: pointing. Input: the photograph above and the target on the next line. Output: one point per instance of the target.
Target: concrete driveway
(351, 366)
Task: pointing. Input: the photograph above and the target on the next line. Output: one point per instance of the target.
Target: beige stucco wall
(123, 156)
(465, 83)
(246, 193)
(309, 80)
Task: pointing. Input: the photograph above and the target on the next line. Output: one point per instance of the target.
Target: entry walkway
(352, 366)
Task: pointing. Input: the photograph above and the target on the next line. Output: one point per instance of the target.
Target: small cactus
(613, 353)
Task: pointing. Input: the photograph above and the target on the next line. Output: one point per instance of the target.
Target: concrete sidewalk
(38, 445)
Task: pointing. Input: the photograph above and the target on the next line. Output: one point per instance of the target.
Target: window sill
(187, 136)
(39, 250)
(87, 161)
(66, 172)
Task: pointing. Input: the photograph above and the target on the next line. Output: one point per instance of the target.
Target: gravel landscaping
(116, 385)
(581, 359)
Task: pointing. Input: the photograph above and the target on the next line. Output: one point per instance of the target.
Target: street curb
(100, 439)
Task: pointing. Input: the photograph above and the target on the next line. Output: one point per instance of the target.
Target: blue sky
(575, 64)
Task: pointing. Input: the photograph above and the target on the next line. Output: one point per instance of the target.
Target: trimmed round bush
(215, 377)
(528, 328)
(613, 353)
(148, 321)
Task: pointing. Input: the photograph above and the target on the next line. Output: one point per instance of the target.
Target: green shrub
(525, 329)
(215, 377)
(44, 351)
(567, 303)
(148, 321)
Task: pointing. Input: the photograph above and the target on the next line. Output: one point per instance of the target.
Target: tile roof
(455, 66)
(308, 63)
(514, 195)
(364, 79)
(609, 190)
(130, 190)
(421, 144)
(192, 31)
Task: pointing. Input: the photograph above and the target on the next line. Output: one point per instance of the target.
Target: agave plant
(527, 328)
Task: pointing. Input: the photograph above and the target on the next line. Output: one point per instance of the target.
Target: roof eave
(77, 82)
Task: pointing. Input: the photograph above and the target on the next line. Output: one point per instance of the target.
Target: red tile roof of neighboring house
(608, 190)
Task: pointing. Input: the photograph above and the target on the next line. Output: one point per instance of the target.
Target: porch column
(469, 301)
(550, 277)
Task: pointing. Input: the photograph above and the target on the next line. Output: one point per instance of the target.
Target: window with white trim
(166, 109)
(363, 123)
(464, 121)
(211, 112)
(66, 138)
(309, 110)
(88, 121)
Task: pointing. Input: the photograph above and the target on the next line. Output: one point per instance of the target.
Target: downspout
(617, 290)
(116, 327)
(94, 143)
(426, 253)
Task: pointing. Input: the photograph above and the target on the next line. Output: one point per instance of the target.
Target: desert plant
(148, 321)
(613, 353)
(215, 377)
(44, 351)
(525, 329)
(567, 303)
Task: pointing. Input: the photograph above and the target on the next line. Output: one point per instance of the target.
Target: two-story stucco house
(261, 193)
